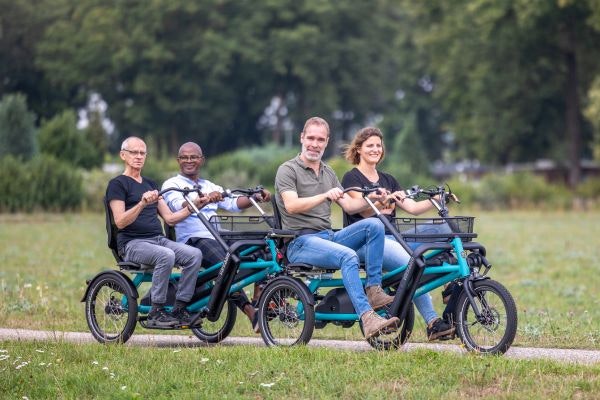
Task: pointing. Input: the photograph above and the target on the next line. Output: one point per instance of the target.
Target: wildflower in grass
(3, 351)
(105, 368)
(27, 286)
(40, 351)
(23, 364)
(123, 387)
(95, 362)
(176, 351)
(203, 360)
(267, 385)
(112, 375)
(42, 364)
(4, 357)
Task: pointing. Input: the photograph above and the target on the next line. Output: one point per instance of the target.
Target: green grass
(63, 370)
(548, 261)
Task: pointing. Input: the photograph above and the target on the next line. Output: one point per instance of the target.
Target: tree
(17, 127)
(511, 75)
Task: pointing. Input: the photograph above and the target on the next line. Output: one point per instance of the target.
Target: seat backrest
(276, 214)
(345, 220)
(169, 232)
(111, 230)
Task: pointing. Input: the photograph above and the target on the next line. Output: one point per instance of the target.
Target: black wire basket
(242, 227)
(435, 229)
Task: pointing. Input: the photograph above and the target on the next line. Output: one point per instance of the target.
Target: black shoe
(182, 315)
(160, 318)
(440, 329)
(255, 326)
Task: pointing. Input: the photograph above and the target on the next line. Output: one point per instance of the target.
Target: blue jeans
(395, 256)
(163, 254)
(329, 249)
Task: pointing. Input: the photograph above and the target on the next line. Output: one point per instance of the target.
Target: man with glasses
(135, 206)
(190, 230)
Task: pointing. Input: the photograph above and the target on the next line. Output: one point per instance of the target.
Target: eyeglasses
(190, 158)
(136, 153)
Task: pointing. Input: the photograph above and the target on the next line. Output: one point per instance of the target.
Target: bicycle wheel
(286, 316)
(110, 312)
(214, 332)
(495, 330)
(395, 339)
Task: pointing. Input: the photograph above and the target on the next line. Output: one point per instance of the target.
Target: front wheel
(494, 331)
(110, 312)
(214, 332)
(286, 315)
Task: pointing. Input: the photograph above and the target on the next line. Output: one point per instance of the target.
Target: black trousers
(213, 253)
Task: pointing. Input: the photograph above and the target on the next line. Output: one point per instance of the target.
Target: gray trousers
(164, 254)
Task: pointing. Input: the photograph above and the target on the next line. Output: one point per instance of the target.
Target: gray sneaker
(160, 318)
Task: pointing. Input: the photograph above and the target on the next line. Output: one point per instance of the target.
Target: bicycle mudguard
(129, 287)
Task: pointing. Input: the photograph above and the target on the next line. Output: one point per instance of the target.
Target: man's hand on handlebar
(334, 194)
(263, 196)
(214, 197)
(149, 197)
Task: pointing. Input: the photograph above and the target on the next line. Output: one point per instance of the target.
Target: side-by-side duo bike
(442, 252)
(114, 305)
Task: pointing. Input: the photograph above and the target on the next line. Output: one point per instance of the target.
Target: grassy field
(62, 370)
(547, 261)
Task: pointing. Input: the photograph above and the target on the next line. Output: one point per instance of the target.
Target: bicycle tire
(215, 332)
(111, 313)
(496, 330)
(286, 315)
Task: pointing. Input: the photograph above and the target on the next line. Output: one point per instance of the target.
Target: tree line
(498, 81)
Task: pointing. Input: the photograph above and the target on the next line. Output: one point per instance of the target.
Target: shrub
(17, 127)
(247, 167)
(60, 138)
(43, 183)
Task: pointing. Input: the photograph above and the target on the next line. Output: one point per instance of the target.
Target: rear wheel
(285, 313)
(214, 332)
(494, 331)
(395, 339)
(110, 312)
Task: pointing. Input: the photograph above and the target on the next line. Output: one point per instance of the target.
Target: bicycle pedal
(447, 337)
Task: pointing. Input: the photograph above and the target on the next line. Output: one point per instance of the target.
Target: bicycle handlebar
(365, 190)
(431, 192)
(185, 190)
(242, 192)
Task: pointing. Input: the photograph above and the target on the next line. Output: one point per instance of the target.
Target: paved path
(563, 355)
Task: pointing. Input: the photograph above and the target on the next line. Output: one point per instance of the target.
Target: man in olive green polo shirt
(305, 188)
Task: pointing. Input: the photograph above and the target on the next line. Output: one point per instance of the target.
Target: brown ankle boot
(373, 324)
(377, 297)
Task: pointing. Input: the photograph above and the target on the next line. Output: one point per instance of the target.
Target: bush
(17, 127)
(43, 183)
(517, 191)
(59, 137)
(248, 167)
